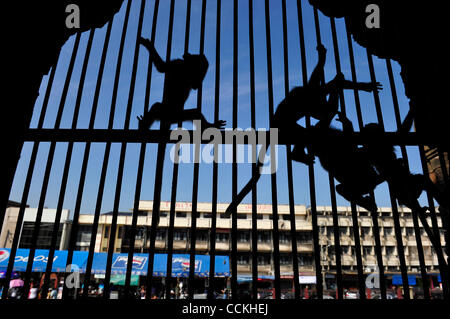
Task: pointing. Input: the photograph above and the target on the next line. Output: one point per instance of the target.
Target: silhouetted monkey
(405, 187)
(309, 100)
(181, 76)
(354, 171)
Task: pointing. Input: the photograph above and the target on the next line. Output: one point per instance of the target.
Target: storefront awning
(180, 263)
(40, 259)
(397, 280)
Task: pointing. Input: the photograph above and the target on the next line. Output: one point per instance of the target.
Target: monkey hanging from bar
(404, 186)
(303, 101)
(354, 171)
(181, 76)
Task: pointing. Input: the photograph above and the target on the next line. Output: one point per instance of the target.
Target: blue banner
(41, 259)
(180, 263)
(397, 280)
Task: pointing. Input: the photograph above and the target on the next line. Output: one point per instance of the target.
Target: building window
(160, 234)
(343, 231)
(367, 250)
(179, 235)
(412, 251)
(243, 259)
(162, 214)
(346, 268)
(244, 236)
(331, 251)
(285, 259)
(351, 233)
(241, 216)
(304, 237)
(390, 250)
(202, 235)
(181, 214)
(323, 230)
(263, 260)
(305, 260)
(83, 237)
(207, 215)
(264, 237)
(106, 233)
(409, 231)
(392, 268)
(363, 213)
(119, 232)
(284, 238)
(286, 217)
(141, 232)
(388, 231)
(225, 216)
(330, 230)
(44, 235)
(222, 237)
(365, 231)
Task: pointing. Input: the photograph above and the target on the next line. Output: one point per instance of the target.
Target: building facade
(26, 230)
(366, 231)
(303, 233)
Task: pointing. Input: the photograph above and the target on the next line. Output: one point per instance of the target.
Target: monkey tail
(249, 186)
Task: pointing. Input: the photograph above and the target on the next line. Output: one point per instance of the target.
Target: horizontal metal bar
(156, 136)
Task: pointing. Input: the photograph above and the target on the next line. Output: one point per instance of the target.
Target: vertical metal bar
(159, 172)
(395, 214)
(65, 175)
(175, 176)
(376, 231)
(87, 276)
(354, 80)
(373, 214)
(331, 182)
(400, 250)
(254, 166)
(312, 187)
(275, 234)
(212, 240)
(293, 227)
(424, 275)
(337, 244)
(375, 92)
(27, 184)
(196, 169)
(47, 174)
(123, 149)
(234, 165)
(361, 282)
(443, 268)
(142, 151)
(74, 230)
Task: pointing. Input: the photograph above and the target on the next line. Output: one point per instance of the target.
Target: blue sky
(185, 182)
